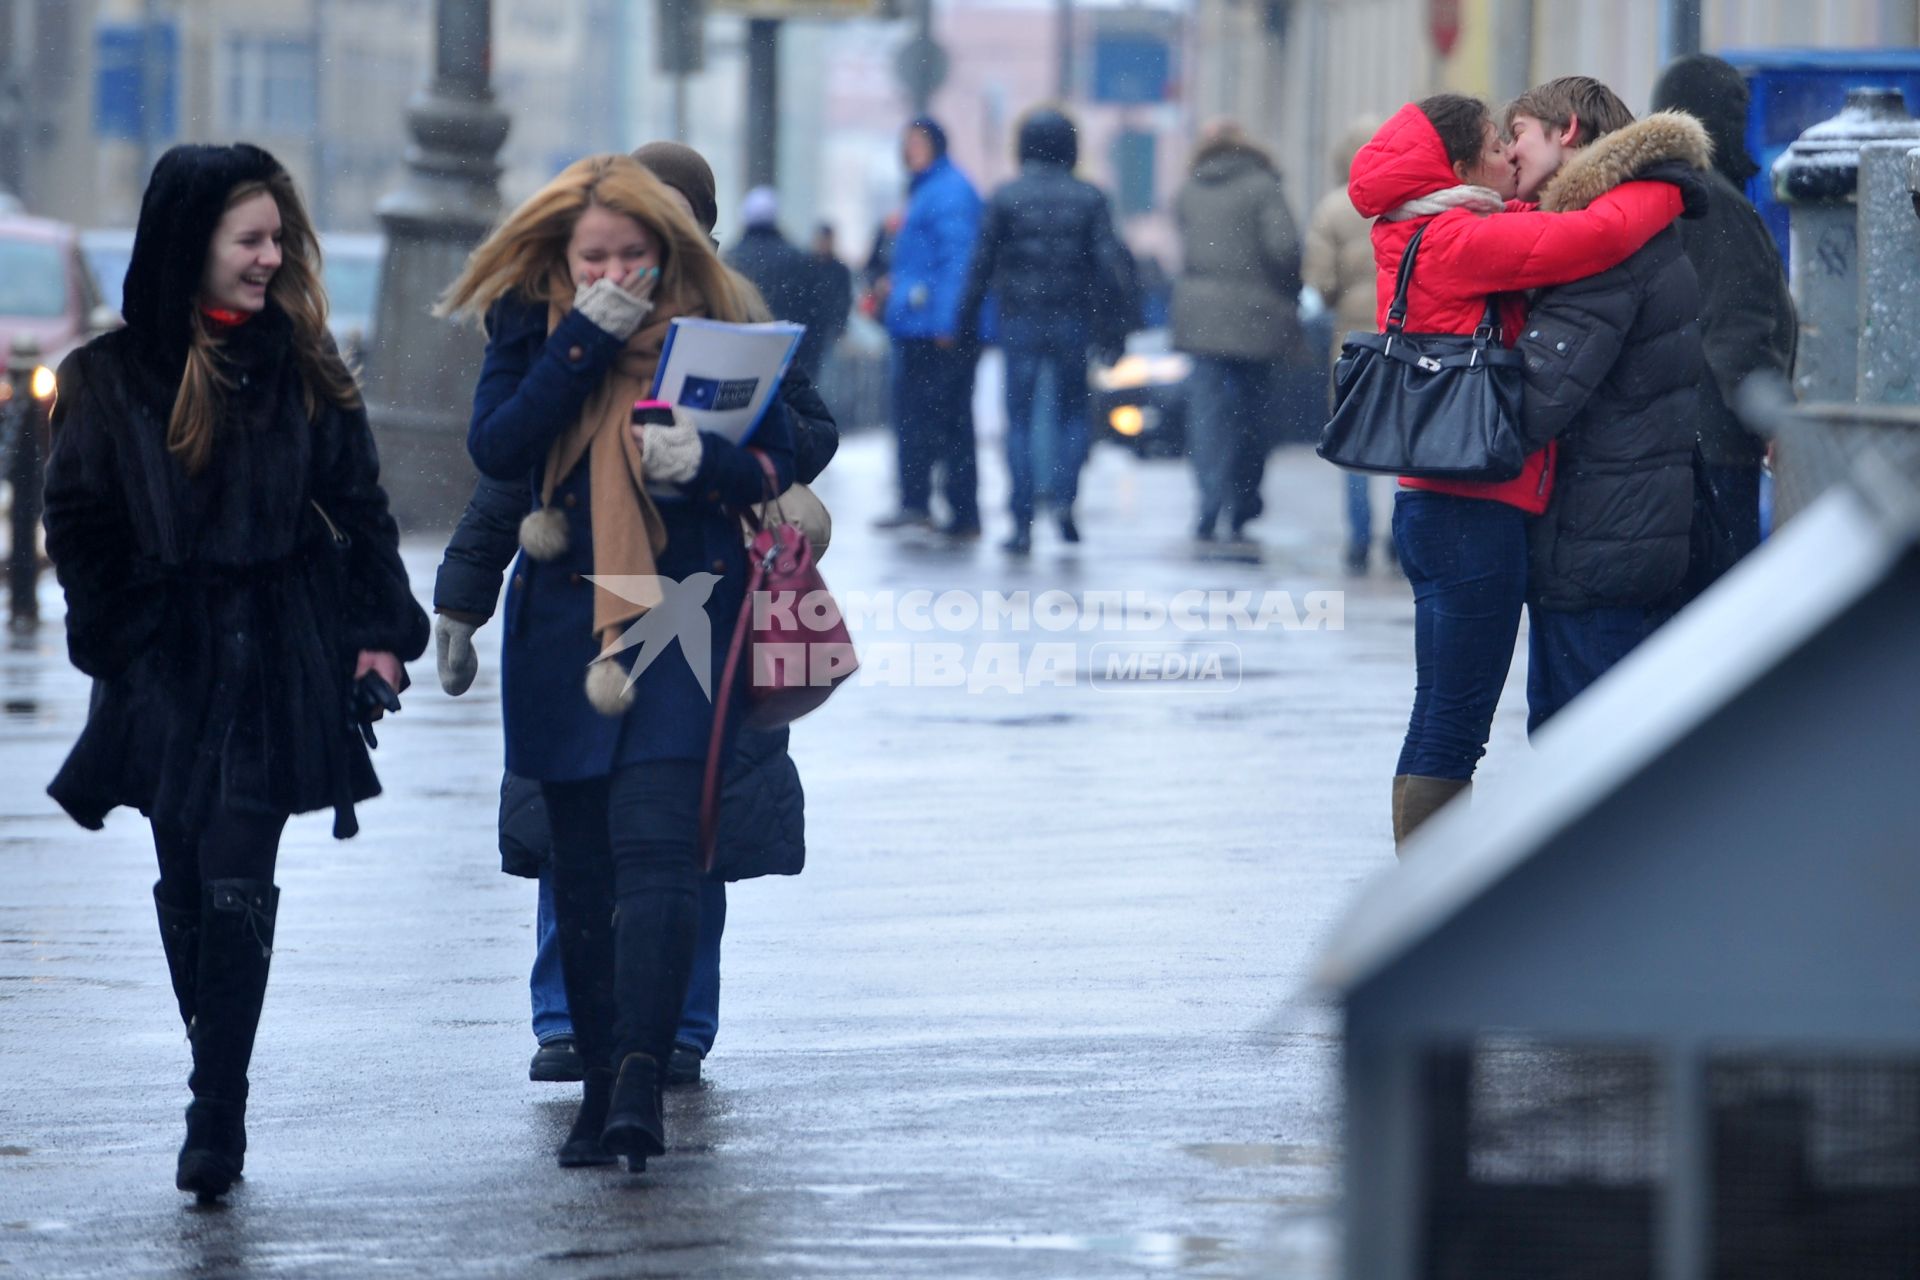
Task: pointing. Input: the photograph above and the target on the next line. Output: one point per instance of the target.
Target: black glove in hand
(373, 697)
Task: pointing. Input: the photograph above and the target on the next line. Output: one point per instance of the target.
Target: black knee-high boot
(180, 936)
(655, 932)
(583, 925)
(236, 948)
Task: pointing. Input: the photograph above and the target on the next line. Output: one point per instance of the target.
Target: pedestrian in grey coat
(1235, 310)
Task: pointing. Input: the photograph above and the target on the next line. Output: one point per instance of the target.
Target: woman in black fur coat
(233, 580)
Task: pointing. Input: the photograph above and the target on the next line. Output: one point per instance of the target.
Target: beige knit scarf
(628, 533)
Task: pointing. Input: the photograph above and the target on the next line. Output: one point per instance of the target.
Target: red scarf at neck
(223, 319)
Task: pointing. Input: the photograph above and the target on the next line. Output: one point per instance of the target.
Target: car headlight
(44, 384)
(1127, 420)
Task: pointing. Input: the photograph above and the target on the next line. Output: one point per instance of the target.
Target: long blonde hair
(296, 290)
(527, 254)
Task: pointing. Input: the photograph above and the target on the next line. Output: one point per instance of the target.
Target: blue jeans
(933, 417)
(550, 1018)
(1229, 413)
(699, 1017)
(1067, 399)
(1467, 561)
(1567, 651)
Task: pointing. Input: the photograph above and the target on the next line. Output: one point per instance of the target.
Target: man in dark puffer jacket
(1048, 249)
(1613, 372)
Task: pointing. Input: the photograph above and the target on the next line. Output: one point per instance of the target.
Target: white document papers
(723, 375)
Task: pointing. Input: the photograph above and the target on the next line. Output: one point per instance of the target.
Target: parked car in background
(108, 250)
(46, 290)
(350, 269)
(1140, 400)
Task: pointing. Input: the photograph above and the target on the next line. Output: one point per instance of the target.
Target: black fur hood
(184, 202)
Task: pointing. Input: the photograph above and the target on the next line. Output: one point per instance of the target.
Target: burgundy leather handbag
(790, 632)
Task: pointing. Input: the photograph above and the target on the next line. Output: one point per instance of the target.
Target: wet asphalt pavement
(1016, 1019)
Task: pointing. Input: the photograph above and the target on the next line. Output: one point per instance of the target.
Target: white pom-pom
(544, 534)
(608, 688)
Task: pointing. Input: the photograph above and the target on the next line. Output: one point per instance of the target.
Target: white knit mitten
(672, 454)
(613, 310)
(454, 655)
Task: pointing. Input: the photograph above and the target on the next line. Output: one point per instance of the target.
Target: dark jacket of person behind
(1238, 292)
(791, 282)
(762, 817)
(1048, 251)
(1613, 365)
(1746, 312)
(1747, 320)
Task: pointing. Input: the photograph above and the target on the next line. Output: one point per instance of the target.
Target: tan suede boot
(1419, 799)
(1399, 803)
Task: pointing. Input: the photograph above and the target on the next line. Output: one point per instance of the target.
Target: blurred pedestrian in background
(233, 579)
(833, 283)
(787, 276)
(933, 354)
(1339, 266)
(763, 808)
(1048, 251)
(1746, 316)
(579, 286)
(1236, 311)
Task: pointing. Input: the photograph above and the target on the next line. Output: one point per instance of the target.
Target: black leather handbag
(1429, 406)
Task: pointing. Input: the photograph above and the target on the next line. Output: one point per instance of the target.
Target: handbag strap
(1489, 329)
(770, 489)
(723, 700)
(1397, 309)
(710, 781)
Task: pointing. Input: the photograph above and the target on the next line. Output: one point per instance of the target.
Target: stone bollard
(1889, 363)
(1818, 178)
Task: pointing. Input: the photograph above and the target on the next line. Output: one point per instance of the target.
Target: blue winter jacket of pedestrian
(931, 253)
(532, 387)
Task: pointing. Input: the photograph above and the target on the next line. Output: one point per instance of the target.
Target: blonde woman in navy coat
(577, 288)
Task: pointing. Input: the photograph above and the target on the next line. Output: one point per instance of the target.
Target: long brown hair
(296, 290)
(527, 254)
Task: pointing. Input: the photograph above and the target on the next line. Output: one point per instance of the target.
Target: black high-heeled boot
(216, 1148)
(180, 938)
(236, 948)
(635, 1127)
(583, 1147)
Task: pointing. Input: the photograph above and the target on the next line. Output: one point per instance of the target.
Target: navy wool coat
(762, 825)
(532, 387)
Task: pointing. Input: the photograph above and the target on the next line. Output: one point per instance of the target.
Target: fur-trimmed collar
(1620, 155)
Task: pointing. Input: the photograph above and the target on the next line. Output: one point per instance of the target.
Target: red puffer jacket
(1466, 256)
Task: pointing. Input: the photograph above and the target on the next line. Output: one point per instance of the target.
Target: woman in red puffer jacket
(1441, 164)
